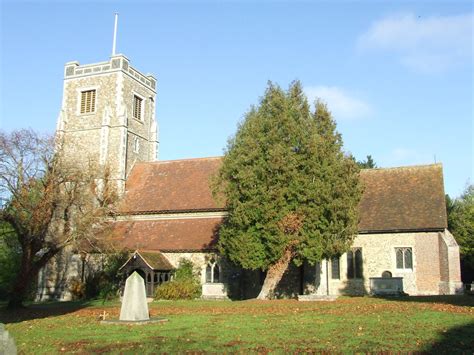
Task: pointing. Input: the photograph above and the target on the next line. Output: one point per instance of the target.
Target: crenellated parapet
(117, 63)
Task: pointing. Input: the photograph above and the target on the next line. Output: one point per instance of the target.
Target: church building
(167, 211)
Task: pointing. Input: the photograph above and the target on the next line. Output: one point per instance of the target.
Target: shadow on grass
(455, 300)
(456, 340)
(40, 310)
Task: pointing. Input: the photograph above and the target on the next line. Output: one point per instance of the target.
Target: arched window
(358, 263)
(386, 274)
(136, 145)
(148, 278)
(354, 263)
(212, 271)
(335, 270)
(404, 258)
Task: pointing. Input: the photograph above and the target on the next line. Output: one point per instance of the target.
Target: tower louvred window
(137, 107)
(88, 101)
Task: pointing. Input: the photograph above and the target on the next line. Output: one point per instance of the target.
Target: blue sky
(397, 76)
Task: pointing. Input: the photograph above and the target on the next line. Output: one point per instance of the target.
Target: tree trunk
(20, 287)
(274, 274)
(29, 270)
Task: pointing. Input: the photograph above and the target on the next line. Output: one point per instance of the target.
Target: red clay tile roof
(394, 199)
(167, 235)
(178, 185)
(155, 260)
(406, 198)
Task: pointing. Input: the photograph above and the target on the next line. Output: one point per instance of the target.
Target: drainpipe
(327, 277)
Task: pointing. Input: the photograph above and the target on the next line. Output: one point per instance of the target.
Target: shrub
(184, 286)
(106, 283)
(10, 257)
(185, 270)
(187, 289)
(77, 289)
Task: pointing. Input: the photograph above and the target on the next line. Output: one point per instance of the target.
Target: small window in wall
(354, 263)
(136, 145)
(88, 101)
(137, 107)
(404, 258)
(335, 268)
(212, 272)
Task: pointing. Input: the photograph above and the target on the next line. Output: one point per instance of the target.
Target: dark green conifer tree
(291, 193)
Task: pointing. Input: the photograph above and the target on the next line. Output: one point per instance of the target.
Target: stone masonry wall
(378, 253)
(139, 129)
(229, 275)
(428, 263)
(56, 278)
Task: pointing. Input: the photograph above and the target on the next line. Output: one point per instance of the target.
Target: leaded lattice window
(404, 257)
(354, 264)
(335, 268)
(212, 271)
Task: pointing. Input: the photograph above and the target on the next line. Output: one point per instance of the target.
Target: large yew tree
(49, 203)
(291, 192)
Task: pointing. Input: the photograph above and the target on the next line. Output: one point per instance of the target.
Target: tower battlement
(116, 63)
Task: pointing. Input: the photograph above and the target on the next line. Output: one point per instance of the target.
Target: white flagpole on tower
(115, 34)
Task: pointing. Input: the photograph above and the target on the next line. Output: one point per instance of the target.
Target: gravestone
(7, 344)
(134, 303)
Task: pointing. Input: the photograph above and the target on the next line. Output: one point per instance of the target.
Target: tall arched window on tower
(212, 271)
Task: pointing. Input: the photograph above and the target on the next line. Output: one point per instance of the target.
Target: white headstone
(134, 304)
(7, 344)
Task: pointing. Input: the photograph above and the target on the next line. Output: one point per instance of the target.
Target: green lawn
(359, 324)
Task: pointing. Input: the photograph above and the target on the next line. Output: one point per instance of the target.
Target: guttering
(401, 230)
(134, 213)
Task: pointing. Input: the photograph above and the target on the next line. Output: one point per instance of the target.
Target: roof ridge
(405, 167)
(179, 160)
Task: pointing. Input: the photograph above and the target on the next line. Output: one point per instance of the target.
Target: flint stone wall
(435, 265)
(56, 278)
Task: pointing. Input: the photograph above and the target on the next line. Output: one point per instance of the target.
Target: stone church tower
(108, 116)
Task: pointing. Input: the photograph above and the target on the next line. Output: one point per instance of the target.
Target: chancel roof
(403, 199)
(394, 199)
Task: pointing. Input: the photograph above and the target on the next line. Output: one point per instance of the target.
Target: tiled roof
(155, 260)
(178, 185)
(406, 198)
(167, 235)
(394, 199)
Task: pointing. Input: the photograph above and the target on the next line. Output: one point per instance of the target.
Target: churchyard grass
(350, 324)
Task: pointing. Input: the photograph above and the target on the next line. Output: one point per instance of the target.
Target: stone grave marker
(7, 344)
(134, 303)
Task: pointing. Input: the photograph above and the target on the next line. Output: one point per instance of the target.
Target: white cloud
(428, 44)
(342, 104)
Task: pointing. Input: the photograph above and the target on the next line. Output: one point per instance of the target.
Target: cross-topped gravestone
(134, 303)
